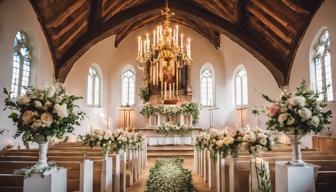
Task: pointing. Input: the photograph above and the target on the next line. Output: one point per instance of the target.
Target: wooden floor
(140, 185)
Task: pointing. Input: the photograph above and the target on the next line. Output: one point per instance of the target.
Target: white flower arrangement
(98, 138)
(43, 114)
(257, 140)
(297, 113)
(168, 127)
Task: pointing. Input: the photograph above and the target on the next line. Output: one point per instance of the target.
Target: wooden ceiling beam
(68, 27)
(65, 43)
(271, 13)
(64, 15)
(295, 7)
(95, 12)
(282, 34)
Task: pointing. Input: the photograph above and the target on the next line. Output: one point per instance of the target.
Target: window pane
(238, 86)
(90, 89)
(97, 91)
(328, 78)
(244, 91)
(128, 88)
(207, 87)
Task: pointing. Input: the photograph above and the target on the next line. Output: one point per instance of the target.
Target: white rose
(297, 101)
(282, 118)
(305, 114)
(61, 110)
(290, 120)
(37, 124)
(58, 99)
(27, 117)
(220, 143)
(315, 121)
(283, 109)
(37, 104)
(23, 100)
(263, 141)
(258, 148)
(51, 91)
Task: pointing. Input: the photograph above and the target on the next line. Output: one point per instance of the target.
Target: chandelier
(165, 52)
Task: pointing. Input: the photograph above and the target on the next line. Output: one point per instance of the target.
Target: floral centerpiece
(135, 141)
(119, 141)
(168, 127)
(257, 140)
(297, 114)
(98, 138)
(191, 109)
(169, 110)
(148, 110)
(43, 114)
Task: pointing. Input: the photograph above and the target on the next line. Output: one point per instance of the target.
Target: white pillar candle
(176, 35)
(165, 89)
(181, 41)
(154, 35)
(170, 90)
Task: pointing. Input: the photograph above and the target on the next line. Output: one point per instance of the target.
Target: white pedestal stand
(294, 178)
(54, 182)
(106, 175)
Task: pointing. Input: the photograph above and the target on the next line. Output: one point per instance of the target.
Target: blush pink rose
(274, 109)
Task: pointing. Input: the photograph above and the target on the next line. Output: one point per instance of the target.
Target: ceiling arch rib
(270, 30)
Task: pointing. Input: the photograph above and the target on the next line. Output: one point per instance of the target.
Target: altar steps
(183, 151)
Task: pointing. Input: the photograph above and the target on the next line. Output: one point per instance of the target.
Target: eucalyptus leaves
(168, 175)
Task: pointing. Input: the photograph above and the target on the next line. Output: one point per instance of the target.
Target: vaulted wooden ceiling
(269, 29)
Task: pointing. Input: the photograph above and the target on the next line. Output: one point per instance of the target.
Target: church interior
(167, 95)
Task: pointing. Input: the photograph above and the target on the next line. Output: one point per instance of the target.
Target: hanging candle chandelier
(162, 55)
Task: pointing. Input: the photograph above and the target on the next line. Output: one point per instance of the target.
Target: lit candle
(154, 37)
(176, 37)
(181, 41)
(170, 91)
(158, 35)
(188, 49)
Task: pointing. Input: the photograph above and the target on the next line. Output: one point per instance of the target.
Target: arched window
(240, 80)
(21, 65)
(128, 87)
(321, 75)
(94, 87)
(207, 86)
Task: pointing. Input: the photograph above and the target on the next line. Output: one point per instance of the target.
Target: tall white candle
(170, 90)
(154, 74)
(181, 41)
(188, 49)
(177, 36)
(157, 34)
(154, 35)
(140, 47)
(165, 89)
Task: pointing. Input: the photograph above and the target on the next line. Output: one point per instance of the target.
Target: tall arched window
(128, 87)
(240, 79)
(94, 87)
(21, 65)
(322, 79)
(207, 86)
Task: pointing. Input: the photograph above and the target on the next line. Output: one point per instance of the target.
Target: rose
(315, 121)
(27, 117)
(61, 110)
(258, 148)
(290, 120)
(274, 109)
(36, 124)
(48, 104)
(297, 101)
(263, 141)
(51, 91)
(305, 114)
(58, 99)
(228, 140)
(282, 118)
(37, 104)
(47, 118)
(23, 100)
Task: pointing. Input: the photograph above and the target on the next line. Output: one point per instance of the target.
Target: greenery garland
(168, 175)
(168, 127)
(192, 109)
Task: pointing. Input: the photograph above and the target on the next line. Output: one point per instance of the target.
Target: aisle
(140, 185)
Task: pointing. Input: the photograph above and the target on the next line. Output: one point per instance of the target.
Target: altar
(154, 138)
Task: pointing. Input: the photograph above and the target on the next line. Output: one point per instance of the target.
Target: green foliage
(144, 94)
(265, 184)
(192, 109)
(43, 114)
(168, 128)
(168, 175)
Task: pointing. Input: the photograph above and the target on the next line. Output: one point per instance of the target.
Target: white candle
(157, 74)
(147, 41)
(170, 91)
(157, 34)
(154, 35)
(181, 41)
(165, 89)
(140, 46)
(176, 35)
(188, 49)
(173, 89)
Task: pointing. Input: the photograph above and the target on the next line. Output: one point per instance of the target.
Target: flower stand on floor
(53, 182)
(294, 178)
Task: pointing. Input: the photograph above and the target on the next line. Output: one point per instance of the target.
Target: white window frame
(321, 51)
(210, 95)
(91, 91)
(127, 102)
(243, 88)
(21, 74)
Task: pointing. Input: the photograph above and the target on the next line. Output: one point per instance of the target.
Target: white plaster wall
(18, 15)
